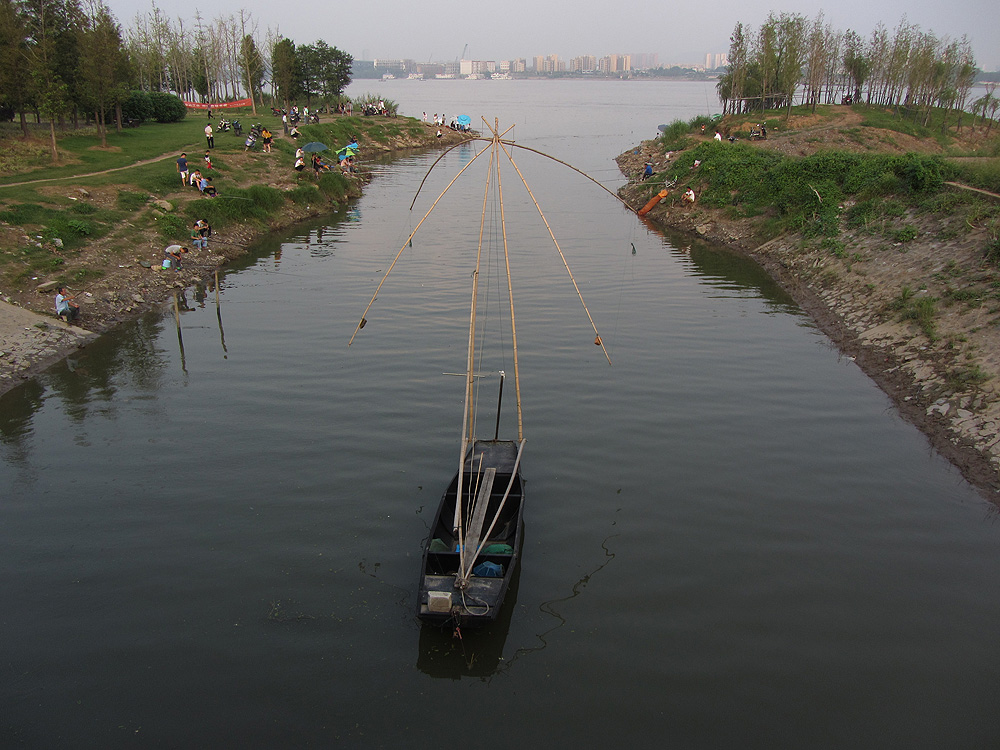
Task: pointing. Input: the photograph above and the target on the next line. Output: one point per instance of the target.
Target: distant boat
(388, 77)
(474, 76)
(415, 77)
(502, 77)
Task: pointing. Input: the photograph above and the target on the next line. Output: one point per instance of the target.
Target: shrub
(921, 174)
(138, 106)
(172, 226)
(167, 107)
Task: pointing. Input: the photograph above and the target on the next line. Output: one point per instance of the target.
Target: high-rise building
(645, 60)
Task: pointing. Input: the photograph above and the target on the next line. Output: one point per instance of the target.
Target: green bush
(167, 107)
(172, 226)
(138, 106)
(675, 136)
(921, 174)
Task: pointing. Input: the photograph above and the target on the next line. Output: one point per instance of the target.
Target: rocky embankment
(130, 283)
(943, 370)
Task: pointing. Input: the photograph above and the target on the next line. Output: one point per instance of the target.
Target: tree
(252, 66)
(46, 21)
(285, 71)
(103, 63)
(14, 80)
(326, 70)
(856, 64)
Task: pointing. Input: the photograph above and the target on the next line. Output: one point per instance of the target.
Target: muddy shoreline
(959, 423)
(32, 339)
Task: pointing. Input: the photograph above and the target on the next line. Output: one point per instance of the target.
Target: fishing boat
(473, 548)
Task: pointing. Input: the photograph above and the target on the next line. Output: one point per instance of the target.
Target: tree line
(66, 59)
(910, 70)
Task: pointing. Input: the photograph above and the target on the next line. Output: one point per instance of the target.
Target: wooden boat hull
(439, 600)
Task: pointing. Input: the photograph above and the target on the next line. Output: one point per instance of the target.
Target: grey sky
(676, 31)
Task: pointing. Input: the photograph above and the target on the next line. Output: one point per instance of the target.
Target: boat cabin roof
(498, 454)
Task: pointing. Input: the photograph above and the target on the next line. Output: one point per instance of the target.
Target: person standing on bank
(209, 135)
(182, 168)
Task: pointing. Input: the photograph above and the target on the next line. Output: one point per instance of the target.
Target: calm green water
(732, 539)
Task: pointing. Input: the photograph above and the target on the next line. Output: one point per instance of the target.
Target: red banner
(223, 105)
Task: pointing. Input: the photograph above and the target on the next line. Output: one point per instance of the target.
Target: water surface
(732, 538)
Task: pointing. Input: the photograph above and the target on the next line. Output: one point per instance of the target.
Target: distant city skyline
(677, 33)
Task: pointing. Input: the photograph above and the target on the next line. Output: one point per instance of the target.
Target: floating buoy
(364, 322)
(597, 341)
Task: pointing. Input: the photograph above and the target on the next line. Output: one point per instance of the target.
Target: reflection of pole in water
(180, 338)
(218, 314)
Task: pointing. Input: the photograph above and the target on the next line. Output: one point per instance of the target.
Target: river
(210, 537)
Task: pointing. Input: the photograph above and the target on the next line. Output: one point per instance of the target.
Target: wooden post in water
(180, 338)
(218, 314)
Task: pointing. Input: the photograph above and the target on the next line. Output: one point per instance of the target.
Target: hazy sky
(676, 31)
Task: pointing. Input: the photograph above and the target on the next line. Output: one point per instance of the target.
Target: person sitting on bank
(648, 171)
(195, 178)
(197, 238)
(689, 196)
(206, 187)
(172, 256)
(65, 307)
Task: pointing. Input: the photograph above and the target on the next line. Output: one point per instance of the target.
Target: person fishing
(172, 256)
(65, 307)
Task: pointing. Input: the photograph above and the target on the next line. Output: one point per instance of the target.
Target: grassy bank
(877, 233)
(102, 216)
(128, 194)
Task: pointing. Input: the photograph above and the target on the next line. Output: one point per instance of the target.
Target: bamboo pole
(363, 321)
(510, 297)
(468, 425)
(526, 148)
(593, 325)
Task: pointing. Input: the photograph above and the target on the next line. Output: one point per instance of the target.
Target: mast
(468, 412)
(510, 291)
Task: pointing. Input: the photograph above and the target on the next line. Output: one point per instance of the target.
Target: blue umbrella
(314, 146)
(463, 120)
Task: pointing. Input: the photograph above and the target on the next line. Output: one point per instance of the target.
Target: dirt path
(142, 163)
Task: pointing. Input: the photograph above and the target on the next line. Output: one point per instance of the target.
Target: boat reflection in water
(470, 653)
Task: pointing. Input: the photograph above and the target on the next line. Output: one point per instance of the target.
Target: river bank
(941, 372)
(126, 285)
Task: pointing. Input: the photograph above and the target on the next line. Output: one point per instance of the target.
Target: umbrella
(463, 120)
(314, 146)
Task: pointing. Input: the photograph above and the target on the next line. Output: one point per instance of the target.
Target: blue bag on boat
(488, 569)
